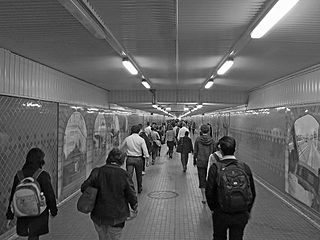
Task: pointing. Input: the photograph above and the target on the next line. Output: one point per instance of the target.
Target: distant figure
(148, 129)
(170, 138)
(210, 129)
(33, 227)
(115, 194)
(193, 127)
(136, 150)
(185, 144)
(203, 147)
(156, 144)
(230, 192)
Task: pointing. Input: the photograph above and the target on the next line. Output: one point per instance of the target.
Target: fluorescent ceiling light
(86, 16)
(225, 66)
(145, 84)
(129, 66)
(281, 8)
(209, 84)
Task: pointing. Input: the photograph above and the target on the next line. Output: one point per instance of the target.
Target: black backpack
(234, 191)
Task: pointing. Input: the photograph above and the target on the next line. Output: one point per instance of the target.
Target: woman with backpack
(34, 226)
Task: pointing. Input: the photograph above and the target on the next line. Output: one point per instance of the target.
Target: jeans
(107, 232)
(184, 160)
(234, 222)
(135, 163)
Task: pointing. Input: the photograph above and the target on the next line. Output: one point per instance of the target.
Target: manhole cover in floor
(163, 194)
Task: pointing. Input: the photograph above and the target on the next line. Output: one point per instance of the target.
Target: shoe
(184, 170)
(143, 173)
(139, 191)
(203, 201)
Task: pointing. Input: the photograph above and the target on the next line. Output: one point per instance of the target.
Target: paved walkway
(170, 208)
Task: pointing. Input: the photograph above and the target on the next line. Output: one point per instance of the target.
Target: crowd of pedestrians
(226, 184)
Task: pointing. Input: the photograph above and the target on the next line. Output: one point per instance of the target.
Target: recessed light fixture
(209, 84)
(129, 66)
(278, 11)
(225, 66)
(145, 83)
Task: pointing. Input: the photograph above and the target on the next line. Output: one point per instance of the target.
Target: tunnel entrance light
(281, 8)
(129, 66)
(225, 66)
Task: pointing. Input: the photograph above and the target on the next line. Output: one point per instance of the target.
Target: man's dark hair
(186, 133)
(227, 145)
(116, 156)
(135, 129)
(204, 128)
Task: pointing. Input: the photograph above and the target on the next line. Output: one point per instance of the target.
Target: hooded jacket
(203, 147)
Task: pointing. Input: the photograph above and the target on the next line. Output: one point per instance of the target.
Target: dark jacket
(115, 192)
(203, 147)
(35, 226)
(211, 186)
(186, 145)
(147, 140)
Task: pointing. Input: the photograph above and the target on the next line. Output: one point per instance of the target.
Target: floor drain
(163, 194)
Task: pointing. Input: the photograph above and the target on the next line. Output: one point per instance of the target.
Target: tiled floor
(170, 208)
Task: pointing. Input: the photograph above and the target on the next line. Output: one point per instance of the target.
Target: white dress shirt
(135, 146)
(182, 132)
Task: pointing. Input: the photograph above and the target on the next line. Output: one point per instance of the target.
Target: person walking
(185, 145)
(115, 194)
(156, 144)
(136, 149)
(182, 130)
(170, 137)
(144, 135)
(33, 227)
(231, 206)
(203, 147)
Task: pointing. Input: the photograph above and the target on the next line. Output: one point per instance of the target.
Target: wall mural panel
(24, 124)
(73, 143)
(261, 142)
(303, 155)
(99, 140)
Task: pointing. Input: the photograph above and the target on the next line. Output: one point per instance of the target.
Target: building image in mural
(74, 150)
(304, 162)
(99, 139)
(115, 132)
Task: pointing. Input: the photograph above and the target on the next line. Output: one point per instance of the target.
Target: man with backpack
(32, 197)
(230, 192)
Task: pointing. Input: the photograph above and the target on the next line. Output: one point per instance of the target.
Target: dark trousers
(234, 222)
(184, 160)
(154, 151)
(144, 164)
(135, 163)
(170, 145)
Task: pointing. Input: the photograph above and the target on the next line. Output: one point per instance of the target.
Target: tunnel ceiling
(177, 45)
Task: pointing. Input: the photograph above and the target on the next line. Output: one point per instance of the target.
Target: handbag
(180, 145)
(87, 200)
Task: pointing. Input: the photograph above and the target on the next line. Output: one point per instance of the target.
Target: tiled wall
(24, 124)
